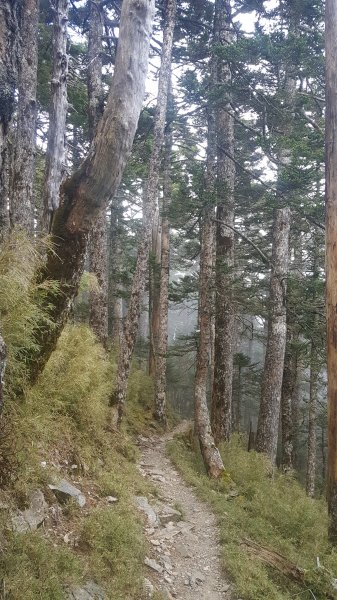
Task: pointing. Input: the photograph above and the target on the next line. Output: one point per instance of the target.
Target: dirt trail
(184, 562)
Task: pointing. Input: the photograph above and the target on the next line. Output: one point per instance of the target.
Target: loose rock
(64, 491)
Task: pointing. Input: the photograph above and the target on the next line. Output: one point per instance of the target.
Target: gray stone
(148, 588)
(64, 491)
(152, 564)
(31, 518)
(168, 514)
(90, 591)
(143, 505)
(111, 499)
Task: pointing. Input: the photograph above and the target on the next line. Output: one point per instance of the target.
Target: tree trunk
(154, 292)
(268, 422)
(8, 54)
(115, 302)
(56, 151)
(3, 356)
(22, 177)
(91, 187)
(311, 461)
(161, 355)
(150, 202)
(331, 254)
(98, 239)
(289, 383)
(224, 308)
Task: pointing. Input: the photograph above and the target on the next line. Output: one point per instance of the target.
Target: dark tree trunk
(331, 254)
(88, 191)
(98, 239)
(161, 357)
(150, 202)
(56, 148)
(224, 307)
(9, 34)
(22, 176)
(268, 422)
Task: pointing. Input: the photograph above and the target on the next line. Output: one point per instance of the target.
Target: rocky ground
(184, 562)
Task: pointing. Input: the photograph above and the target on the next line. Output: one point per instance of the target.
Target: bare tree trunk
(268, 422)
(150, 202)
(331, 255)
(311, 461)
(161, 356)
(289, 383)
(154, 292)
(115, 302)
(98, 239)
(224, 308)
(8, 54)
(3, 356)
(91, 187)
(22, 177)
(56, 148)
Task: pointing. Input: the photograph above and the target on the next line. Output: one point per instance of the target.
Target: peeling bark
(224, 307)
(21, 193)
(150, 202)
(268, 422)
(88, 191)
(115, 302)
(154, 292)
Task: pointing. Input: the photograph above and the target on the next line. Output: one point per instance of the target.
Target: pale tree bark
(3, 356)
(209, 451)
(154, 292)
(161, 349)
(98, 239)
(56, 148)
(115, 301)
(91, 187)
(224, 306)
(150, 202)
(268, 421)
(9, 34)
(289, 387)
(331, 254)
(22, 176)
(313, 393)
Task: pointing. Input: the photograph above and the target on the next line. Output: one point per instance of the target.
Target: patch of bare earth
(184, 562)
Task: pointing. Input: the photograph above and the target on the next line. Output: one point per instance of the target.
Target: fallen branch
(275, 560)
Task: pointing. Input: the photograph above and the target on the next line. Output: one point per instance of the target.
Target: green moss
(270, 508)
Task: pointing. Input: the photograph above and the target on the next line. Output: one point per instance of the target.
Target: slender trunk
(8, 51)
(115, 302)
(311, 461)
(22, 177)
(91, 187)
(3, 356)
(56, 151)
(323, 456)
(238, 402)
(288, 389)
(160, 379)
(224, 307)
(98, 239)
(150, 202)
(331, 255)
(154, 292)
(268, 422)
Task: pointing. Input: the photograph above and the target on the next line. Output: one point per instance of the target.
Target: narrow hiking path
(185, 557)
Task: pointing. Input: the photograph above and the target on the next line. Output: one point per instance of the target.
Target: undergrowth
(269, 508)
(62, 428)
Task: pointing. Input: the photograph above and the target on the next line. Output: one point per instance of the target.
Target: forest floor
(183, 535)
